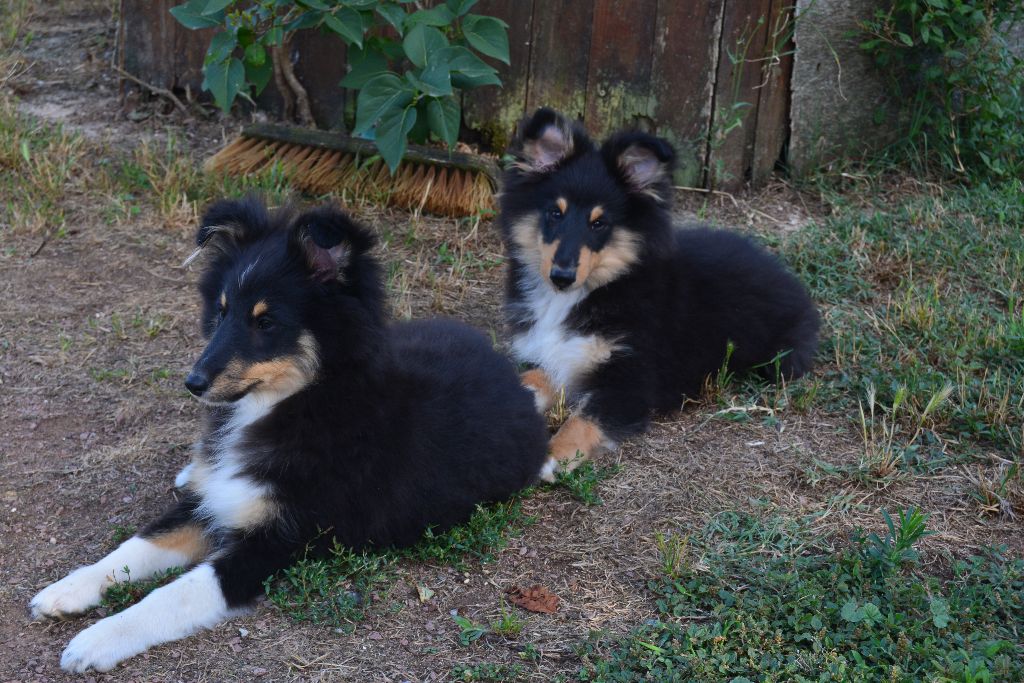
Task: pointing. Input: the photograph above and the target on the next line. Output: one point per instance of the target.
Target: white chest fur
(230, 498)
(549, 342)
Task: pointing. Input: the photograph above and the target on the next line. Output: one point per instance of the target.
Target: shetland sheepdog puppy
(319, 416)
(617, 308)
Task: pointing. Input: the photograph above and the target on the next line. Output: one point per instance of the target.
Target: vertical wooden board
(683, 79)
(145, 43)
(320, 66)
(737, 84)
(189, 50)
(773, 107)
(490, 111)
(619, 74)
(559, 56)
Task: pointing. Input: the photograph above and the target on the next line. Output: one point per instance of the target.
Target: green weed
(338, 588)
(123, 594)
(487, 673)
(469, 630)
(582, 482)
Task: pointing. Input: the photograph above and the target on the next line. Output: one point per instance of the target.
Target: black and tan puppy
(319, 415)
(617, 307)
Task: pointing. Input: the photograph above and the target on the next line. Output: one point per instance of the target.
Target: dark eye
(599, 224)
(555, 214)
(264, 323)
(221, 312)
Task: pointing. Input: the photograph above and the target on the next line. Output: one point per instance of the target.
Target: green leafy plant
(123, 594)
(337, 588)
(508, 624)
(959, 82)
(469, 630)
(490, 672)
(406, 62)
(582, 482)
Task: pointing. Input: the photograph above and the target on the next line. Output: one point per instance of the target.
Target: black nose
(562, 277)
(197, 382)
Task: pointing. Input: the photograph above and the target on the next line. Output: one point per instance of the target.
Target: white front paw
(184, 476)
(100, 647)
(549, 471)
(74, 594)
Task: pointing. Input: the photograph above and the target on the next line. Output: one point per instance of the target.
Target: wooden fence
(712, 76)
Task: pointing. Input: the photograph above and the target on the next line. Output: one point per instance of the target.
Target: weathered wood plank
(738, 80)
(619, 72)
(773, 106)
(683, 78)
(493, 112)
(560, 53)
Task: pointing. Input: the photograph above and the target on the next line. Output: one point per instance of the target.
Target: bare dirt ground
(98, 327)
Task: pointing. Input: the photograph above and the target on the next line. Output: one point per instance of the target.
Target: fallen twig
(156, 90)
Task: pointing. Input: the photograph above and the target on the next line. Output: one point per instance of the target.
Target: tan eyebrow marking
(259, 309)
(596, 213)
(563, 205)
(223, 300)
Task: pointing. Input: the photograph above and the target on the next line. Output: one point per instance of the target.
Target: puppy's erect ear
(546, 139)
(230, 222)
(644, 162)
(330, 242)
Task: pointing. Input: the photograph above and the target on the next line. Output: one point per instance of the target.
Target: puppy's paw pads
(100, 648)
(549, 471)
(74, 594)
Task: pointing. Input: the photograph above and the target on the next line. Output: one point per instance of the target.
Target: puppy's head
(265, 289)
(579, 214)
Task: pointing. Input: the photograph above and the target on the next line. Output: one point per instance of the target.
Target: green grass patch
(923, 303)
(487, 672)
(763, 600)
(582, 482)
(123, 594)
(340, 588)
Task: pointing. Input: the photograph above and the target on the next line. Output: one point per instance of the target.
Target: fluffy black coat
(667, 301)
(403, 427)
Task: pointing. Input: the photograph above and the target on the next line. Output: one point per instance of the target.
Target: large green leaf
(221, 47)
(394, 15)
(435, 16)
(305, 20)
(214, 6)
(421, 41)
(465, 62)
(224, 80)
(364, 64)
(488, 35)
(190, 15)
(381, 94)
(444, 115)
(255, 55)
(348, 24)
(463, 82)
(435, 79)
(259, 75)
(460, 7)
(392, 132)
